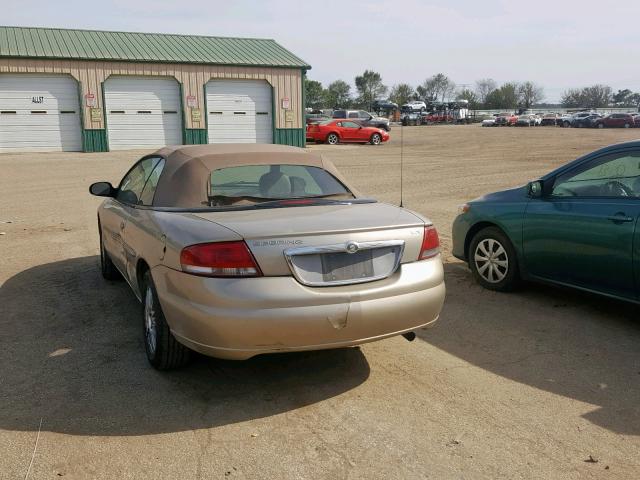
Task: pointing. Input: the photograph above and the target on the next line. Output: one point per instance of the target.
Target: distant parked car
(565, 120)
(345, 131)
(439, 117)
(316, 117)
(489, 122)
(636, 120)
(365, 118)
(526, 120)
(415, 106)
(379, 105)
(411, 118)
(577, 117)
(586, 122)
(506, 119)
(549, 119)
(620, 120)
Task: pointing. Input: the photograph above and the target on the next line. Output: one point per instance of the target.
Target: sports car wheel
(375, 139)
(332, 139)
(164, 352)
(493, 261)
(107, 268)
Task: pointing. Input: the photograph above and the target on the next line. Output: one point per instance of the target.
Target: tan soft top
(184, 180)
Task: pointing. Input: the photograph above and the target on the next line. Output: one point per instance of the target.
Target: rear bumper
(241, 318)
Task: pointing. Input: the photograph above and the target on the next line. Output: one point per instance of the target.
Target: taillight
(430, 243)
(220, 259)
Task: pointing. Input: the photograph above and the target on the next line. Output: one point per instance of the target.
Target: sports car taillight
(430, 243)
(219, 259)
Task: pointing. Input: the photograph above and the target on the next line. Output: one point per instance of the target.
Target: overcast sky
(556, 43)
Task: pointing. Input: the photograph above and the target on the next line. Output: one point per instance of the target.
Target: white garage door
(239, 111)
(39, 113)
(142, 112)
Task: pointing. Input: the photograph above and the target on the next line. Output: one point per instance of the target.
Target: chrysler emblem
(352, 247)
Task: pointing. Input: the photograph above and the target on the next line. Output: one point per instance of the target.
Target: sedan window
(131, 186)
(257, 183)
(350, 125)
(149, 190)
(616, 175)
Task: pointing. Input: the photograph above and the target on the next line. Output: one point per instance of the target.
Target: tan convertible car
(239, 250)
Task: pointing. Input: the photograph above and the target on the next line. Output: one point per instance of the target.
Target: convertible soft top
(184, 180)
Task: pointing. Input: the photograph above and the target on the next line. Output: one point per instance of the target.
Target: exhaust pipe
(409, 336)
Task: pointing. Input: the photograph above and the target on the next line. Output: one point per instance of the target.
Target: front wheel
(332, 139)
(493, 261)
(601, 125)
(626, 125)
(164, 352)
(376, 139)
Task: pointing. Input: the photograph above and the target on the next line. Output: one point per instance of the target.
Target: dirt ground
(543, 383)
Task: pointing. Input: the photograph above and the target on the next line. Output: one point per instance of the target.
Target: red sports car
(343, 131)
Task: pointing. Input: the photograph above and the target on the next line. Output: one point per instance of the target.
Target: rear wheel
(107, 268)
(626, 125)
(493, 260)
(376, 139)
(601, 125)
(332, 139)
(164, 352)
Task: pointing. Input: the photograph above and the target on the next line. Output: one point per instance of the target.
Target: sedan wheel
(164, 352)
(332, 139)
(375, 139)
(493, 260)
(601, 125)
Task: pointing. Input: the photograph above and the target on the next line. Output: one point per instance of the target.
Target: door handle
(121, 225)
(620, 218)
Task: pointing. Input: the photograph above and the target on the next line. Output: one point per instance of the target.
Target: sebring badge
(352, 247)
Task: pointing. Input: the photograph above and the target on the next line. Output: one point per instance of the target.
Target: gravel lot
(543, 383)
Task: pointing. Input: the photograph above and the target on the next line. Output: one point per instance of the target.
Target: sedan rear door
(582, 231)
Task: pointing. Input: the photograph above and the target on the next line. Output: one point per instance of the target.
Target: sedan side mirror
(102, 189)
(534, 189)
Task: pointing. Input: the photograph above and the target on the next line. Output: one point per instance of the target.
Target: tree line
(485, 94)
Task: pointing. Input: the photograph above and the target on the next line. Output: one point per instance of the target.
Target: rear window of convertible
(257, 183)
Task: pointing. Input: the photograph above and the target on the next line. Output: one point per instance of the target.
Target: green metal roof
(58, 43)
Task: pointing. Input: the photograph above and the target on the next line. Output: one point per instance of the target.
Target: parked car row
(577, 120)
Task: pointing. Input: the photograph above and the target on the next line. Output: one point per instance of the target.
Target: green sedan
(576, 226)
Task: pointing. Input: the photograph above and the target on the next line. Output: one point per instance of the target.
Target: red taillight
(430, 243)
(220, 259)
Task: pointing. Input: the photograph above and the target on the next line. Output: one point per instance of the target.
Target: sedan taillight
(430, 243)
(220, 259)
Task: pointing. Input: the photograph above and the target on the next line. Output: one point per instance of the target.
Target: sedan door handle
(620, 218)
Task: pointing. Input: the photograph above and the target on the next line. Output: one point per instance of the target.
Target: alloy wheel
(150, 326)
(491, 260)
(332, 139)
(375, 139)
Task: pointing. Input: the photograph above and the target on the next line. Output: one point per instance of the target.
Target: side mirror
(102, 189)
(534, 189)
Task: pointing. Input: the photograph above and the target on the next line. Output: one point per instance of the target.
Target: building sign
(90, 100)
(196, 115)
(192, 101)
(96, 115)
(288, 116)
(37, 99)
(286, 104)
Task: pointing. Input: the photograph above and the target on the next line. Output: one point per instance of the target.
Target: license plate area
(345, 264)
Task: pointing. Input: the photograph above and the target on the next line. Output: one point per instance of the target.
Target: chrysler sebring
(239, 250)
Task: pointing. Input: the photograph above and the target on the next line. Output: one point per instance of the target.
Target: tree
(338, 94)
(314, 94)
(626, 98)
(484, 87)
(427, 91)
(470, 96)
(401, 93)
(505, 97)
(595, 96)
(438, 87)
(530, 94)
(370, 87)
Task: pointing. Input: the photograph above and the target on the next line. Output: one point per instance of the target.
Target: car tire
(332, 139)
(107, 268)
(626, 125)
(601, 125)
(499, 271)
(376, 139)
(164, 352)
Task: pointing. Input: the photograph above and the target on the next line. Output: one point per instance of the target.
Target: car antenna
(401, 158)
